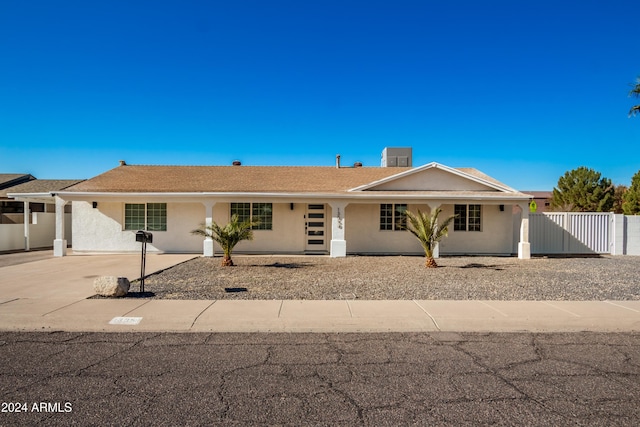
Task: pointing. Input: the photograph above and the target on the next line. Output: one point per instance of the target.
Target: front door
(315, 228)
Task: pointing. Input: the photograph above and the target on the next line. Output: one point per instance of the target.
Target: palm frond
(635, 91)
(635, 88)
(229, 235)
(427, 230)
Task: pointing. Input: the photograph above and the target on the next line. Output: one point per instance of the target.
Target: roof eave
(32, 197)
(378, 195)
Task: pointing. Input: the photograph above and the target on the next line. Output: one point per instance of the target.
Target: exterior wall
(434, 180)
(101, 229)
(42, 231)
(286, 235)
(496, 236)
(363, 233)
(12, 237)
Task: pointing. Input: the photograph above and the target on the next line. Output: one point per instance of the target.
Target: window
(243, 210)
(156, 217)
(393, 216)
(262, 212)
(460, 221)
(474, 218)
(468, 218)
(149, 216)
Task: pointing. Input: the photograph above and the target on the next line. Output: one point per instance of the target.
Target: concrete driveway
(43, 277)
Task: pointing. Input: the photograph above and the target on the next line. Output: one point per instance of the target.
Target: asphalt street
(130, 379)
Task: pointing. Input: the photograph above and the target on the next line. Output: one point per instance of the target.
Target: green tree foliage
(618, 198)
(228, 236)
(635, 91)
(583, 190)
(427, 230)
(631, 198)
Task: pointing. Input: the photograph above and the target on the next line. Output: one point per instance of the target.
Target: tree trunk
(227, 261)
(430, 263)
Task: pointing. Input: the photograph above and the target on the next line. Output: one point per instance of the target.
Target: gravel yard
(399, 277)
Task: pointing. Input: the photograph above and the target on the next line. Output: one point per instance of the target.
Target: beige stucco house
(321, 210)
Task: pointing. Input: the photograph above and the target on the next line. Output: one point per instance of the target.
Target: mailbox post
(144, 237)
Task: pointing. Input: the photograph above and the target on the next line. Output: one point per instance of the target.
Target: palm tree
(228, 236)
(427, 230)
(635, 91)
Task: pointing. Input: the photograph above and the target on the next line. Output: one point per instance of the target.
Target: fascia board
(32, 197)
(354, 196)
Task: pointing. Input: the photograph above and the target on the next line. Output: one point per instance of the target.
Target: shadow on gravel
(286, 265)
(488, 267)
(568, 256)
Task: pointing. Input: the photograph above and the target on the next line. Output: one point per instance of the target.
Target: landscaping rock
(111, 286)
(310, 277)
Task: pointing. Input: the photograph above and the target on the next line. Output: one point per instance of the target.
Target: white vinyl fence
(583, 233)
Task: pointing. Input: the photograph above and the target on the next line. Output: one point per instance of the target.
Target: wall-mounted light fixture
(501, 208)
(94, 204)
(291, 206)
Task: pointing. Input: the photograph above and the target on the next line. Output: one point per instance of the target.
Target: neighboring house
(10, 210)
(29, 213)
(326, 210)
(542, 200)
(11, 179)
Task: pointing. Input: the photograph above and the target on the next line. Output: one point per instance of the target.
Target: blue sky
(523, 91)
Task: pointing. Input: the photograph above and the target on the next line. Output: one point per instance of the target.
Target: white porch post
(524, 247)
(338, 243)
(436, 250)
(208, 249)
(27, 242)
(60, 244)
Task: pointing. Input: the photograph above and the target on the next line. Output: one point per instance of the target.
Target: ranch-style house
(332, 210)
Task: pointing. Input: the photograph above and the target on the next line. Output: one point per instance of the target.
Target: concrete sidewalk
(51, 294)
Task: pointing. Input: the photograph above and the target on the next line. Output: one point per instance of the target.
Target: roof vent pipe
(338, 161)
(237, 163)
(123, 163)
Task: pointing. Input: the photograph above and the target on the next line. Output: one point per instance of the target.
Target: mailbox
(144, 237)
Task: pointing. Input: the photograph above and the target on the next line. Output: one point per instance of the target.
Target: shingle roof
(243, 179)
(40, 186)
(249, 179)
(11, 179)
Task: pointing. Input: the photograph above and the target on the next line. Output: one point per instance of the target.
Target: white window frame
(147, 210)
(264, 225)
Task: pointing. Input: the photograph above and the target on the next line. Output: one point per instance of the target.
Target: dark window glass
(460, 221)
